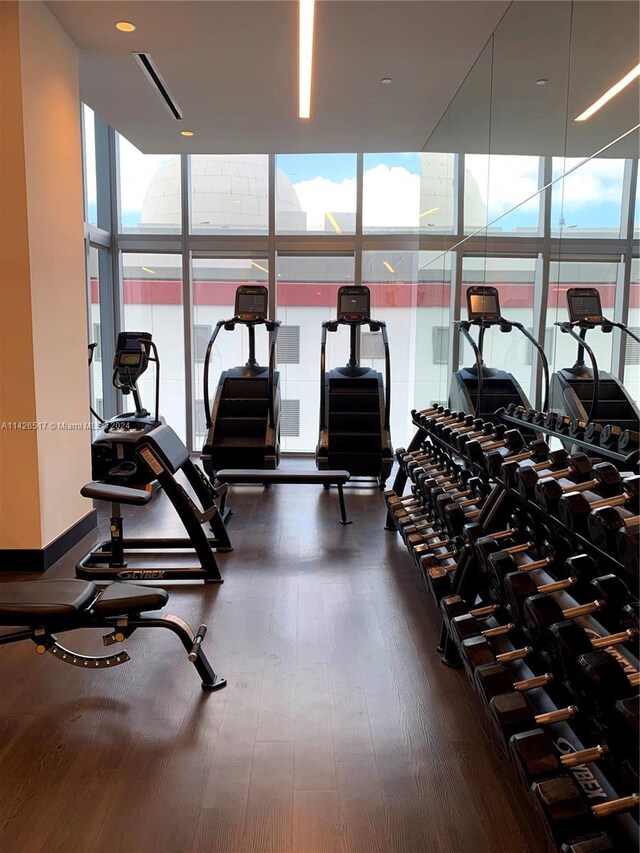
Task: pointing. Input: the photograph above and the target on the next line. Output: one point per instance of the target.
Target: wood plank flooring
(339, 730)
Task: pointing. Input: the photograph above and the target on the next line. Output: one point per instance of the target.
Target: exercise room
(319, 426)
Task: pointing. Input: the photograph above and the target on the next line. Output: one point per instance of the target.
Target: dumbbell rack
(467, 584)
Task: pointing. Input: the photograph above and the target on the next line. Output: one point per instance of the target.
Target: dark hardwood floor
(339, 730)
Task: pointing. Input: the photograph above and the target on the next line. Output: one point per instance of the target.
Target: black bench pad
(122, 598)
(40, 602)
(118, 494)
(251, 475)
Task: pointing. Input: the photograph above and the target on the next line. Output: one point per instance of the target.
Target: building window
(632, 348)
(290, 418)
(97, 353)
(440, 344)
(371, 345)
(201, 335)
(288, 345)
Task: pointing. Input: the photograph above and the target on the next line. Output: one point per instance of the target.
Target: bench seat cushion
(251, 475)
(118, 494)
(123, 598)
(42, 602)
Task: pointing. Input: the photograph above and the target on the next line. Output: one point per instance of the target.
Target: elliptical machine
(243, 423)
(354, 410)
(481, 390)
(589, 395)
(113, 450)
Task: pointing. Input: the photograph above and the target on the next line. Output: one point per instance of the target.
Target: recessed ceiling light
(610, 93)
(186, 133)
(305, 56)
(386, 80)
(542, 81)
(125, 26)
(388, 266)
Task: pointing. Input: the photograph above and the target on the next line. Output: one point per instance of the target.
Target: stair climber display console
(481, 390)
(584, 393)
(243, 422)
(354, 409)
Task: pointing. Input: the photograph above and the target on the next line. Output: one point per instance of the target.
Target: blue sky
(338, 167)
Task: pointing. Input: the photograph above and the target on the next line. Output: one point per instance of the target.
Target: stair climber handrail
(273, 328)
(387, 370)
(323, 358)
(207, 359)
(567, 328)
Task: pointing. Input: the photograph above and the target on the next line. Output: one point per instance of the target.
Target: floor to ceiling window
(152, 302)
(307, 288)
(215, 281)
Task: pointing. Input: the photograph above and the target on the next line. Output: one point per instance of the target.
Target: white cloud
(505, 182)
(136, 172)
(597, 181)
(391, 198)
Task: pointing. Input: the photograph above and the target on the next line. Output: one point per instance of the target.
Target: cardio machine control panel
(584, 306)
(131, 358)
(354, 304)
(252, 302)
(483, 304)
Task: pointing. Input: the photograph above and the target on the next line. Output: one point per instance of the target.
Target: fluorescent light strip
(427, 212)
(259, 267)
(305, 56)
(388, 266)
(610, 93)
(333, 221)
(146, 269)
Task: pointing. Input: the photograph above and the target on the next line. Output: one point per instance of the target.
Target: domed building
(228, 193)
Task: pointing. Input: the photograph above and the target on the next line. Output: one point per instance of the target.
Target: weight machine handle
(567, 328)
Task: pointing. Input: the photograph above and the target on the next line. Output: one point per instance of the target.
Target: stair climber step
(239, 407)
(355, 442)
(241, 427)
(357, 464)
(354, 402)
(251, 387)
(354, 422)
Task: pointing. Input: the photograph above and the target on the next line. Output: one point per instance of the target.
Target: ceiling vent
(156, 79)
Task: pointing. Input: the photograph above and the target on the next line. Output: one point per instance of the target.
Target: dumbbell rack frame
(467, 582)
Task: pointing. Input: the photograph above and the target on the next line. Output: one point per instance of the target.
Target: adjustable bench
(65, 605)
(266, 477)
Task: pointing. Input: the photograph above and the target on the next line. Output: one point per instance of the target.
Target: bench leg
(343, 511)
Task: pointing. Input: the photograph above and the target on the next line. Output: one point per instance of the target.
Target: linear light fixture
(146, 269)
(610, 93)
(388, 266)
(305, 56)
(333, 221)
(259, 267)
(427, 212)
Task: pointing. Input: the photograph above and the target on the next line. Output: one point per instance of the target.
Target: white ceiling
(232, 68)
(231, 65)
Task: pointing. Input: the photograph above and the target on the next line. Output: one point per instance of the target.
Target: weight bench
(48, 606)
(266, 477)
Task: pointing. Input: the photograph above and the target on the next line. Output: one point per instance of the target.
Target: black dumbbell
(502, 563)
(455, 605)
(520, 585)
(605, 477)
(450, 433)
(565, 642)
(554, 459)
(574, 508)
(578, 465)
(604, 523)
(488, 431)
(629, 441)
(511, 439)
(537, 450)
(602, 680)
(627, 549)
(540, 611)
(566, 807)
(535, 755)
(490, 544)
(494, 679)
(511, 713)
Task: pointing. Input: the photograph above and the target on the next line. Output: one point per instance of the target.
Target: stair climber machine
(243, 423)
(481, 390)
(354, 409)
(586, 394)
(113, 450)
